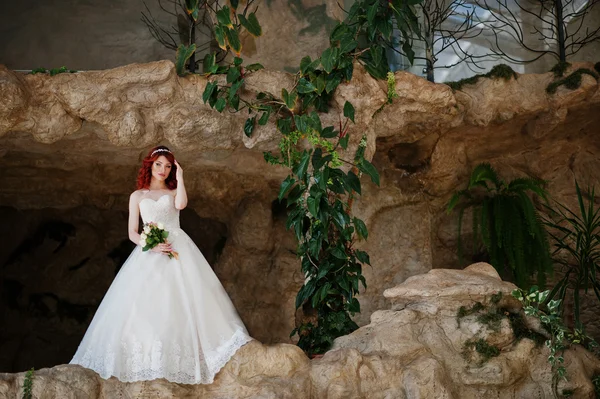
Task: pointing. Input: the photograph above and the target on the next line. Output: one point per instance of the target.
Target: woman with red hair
(162, 317)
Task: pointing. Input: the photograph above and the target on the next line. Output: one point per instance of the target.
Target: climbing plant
(506, 223)
(324, 175)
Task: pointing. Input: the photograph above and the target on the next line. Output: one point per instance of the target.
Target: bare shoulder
(136, 195)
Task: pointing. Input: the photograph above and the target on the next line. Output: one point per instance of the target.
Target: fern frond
(476, 212)
(524, 184)
(499, 218)
(459, 240)
(529, 213)
(456, 199)
(486, 216)
(483, 173)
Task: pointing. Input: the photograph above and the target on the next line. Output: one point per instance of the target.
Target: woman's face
(161, 168)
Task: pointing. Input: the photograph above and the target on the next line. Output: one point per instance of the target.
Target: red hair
(145, 173)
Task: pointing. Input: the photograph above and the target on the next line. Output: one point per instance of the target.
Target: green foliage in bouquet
(506, 222)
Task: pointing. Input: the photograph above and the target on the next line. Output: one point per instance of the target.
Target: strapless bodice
(160, 211)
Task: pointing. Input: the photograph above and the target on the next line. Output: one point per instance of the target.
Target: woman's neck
(156, 185)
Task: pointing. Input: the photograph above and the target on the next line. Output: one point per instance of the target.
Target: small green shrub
(501, 71)
(560, 68)
(53, 71)
(28, 384)
(481, 346)
(572, 82)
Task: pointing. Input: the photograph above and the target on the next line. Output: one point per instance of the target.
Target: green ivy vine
(323, 179)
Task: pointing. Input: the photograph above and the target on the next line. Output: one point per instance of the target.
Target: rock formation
(417, 349)
(71, 145)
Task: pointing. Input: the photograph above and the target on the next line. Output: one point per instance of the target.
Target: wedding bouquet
(154, 234)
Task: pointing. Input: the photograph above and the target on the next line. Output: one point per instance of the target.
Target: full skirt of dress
(163, 318)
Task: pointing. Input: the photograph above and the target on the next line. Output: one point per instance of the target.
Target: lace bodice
(162, 210)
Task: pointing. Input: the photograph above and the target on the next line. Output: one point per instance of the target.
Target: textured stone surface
(406, 353)
(76, 140)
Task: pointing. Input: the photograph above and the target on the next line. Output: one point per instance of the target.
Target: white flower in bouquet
(154, 234)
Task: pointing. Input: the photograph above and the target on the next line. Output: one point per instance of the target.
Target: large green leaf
(354, 306)
(251, 24)
(329, 58)
(408, 51)
(353, 181)
(339, 253)
(340, 31)
(209, 62)
(329, 132)
(264, 118)
(315, 121)
(362, 256)
(305, 86)
(372, 12)
(368, 168)
(234, 89)
(224, 17)
(220, 104)
(312, 202)
(234, 40)
(220, 37)
(348, 44)
(344, 141)
(361, 228)
(301, 168)
(285, 186)
(301, 122)
(284, 125)
(349, 110)
(208, 91)
(191, 7)
(249, 126)
(289, 98)
(333, 81)
(183, 54)
(233, 74)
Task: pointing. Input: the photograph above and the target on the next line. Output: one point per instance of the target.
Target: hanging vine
(322, 184)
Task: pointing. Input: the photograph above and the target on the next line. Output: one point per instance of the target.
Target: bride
(162, 317)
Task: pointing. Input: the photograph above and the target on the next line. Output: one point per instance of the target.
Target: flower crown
(160, 150)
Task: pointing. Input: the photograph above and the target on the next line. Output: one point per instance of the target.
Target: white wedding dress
(161, 317)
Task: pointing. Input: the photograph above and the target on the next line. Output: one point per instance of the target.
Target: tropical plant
(319, 191)
(559, 337)
(506, 222)
(576, 242)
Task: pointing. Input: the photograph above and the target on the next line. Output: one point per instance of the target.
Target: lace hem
(132, 363)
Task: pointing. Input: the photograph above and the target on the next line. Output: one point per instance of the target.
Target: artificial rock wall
(70, 146)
